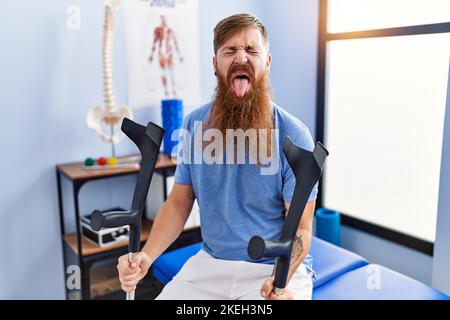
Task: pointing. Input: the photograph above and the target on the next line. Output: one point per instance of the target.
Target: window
(381, 103)
(356, 15)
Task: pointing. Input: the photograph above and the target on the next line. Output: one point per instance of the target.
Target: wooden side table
(77, 247)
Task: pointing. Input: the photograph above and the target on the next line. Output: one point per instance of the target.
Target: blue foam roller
(172, 119)
(328, 225)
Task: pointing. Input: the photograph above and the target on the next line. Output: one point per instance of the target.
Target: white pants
(204, 277)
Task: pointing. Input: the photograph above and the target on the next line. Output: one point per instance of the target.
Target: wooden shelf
(75, 170)
(90, 248)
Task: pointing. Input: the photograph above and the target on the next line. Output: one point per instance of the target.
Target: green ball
(89, 162)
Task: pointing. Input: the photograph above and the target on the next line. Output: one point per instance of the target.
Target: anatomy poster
(161, 40)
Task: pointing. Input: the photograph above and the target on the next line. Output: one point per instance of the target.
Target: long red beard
(252, 111)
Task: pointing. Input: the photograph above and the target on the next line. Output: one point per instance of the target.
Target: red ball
(101, 161)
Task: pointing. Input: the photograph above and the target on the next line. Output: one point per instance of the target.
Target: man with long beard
(236, 201)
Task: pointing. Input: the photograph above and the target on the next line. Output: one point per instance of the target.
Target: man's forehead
(244, 38)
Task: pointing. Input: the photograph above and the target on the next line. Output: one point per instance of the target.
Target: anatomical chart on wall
(161, 39)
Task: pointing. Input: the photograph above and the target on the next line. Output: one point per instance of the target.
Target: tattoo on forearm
(297, 249)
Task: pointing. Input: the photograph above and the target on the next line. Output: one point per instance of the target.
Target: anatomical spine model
(105, 119)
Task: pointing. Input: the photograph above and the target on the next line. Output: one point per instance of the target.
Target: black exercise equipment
(148, 140)
(307, 168)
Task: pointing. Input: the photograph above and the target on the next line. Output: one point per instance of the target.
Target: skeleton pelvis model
(104, 120)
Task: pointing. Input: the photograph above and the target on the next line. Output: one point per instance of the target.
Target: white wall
(441, 261)
(293, 31)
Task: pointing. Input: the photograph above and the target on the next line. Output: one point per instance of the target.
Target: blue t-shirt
(237, 201)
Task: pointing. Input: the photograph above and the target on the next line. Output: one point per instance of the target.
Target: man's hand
(268, 294)
(130, 275)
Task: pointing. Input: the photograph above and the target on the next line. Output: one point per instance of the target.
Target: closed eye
(251, 50)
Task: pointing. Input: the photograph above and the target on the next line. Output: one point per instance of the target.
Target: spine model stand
(102, 119)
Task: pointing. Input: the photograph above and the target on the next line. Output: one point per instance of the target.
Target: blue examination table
(340, 275)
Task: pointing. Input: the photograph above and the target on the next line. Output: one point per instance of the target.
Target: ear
(269, 60)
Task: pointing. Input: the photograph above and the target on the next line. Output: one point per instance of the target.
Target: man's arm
(166, 228)
(170, 220)
(302, 241)
(300, 249)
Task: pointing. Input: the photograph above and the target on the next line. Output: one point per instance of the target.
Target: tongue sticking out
(241, 86)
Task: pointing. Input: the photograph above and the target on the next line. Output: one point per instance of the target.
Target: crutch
(307, 168)
(148, 140)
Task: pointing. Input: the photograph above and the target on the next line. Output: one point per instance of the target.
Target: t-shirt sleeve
(303, 139)
(182, 173)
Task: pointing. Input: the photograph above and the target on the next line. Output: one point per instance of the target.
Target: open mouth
(241, 83)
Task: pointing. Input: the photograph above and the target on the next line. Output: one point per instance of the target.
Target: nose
(241, 57)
